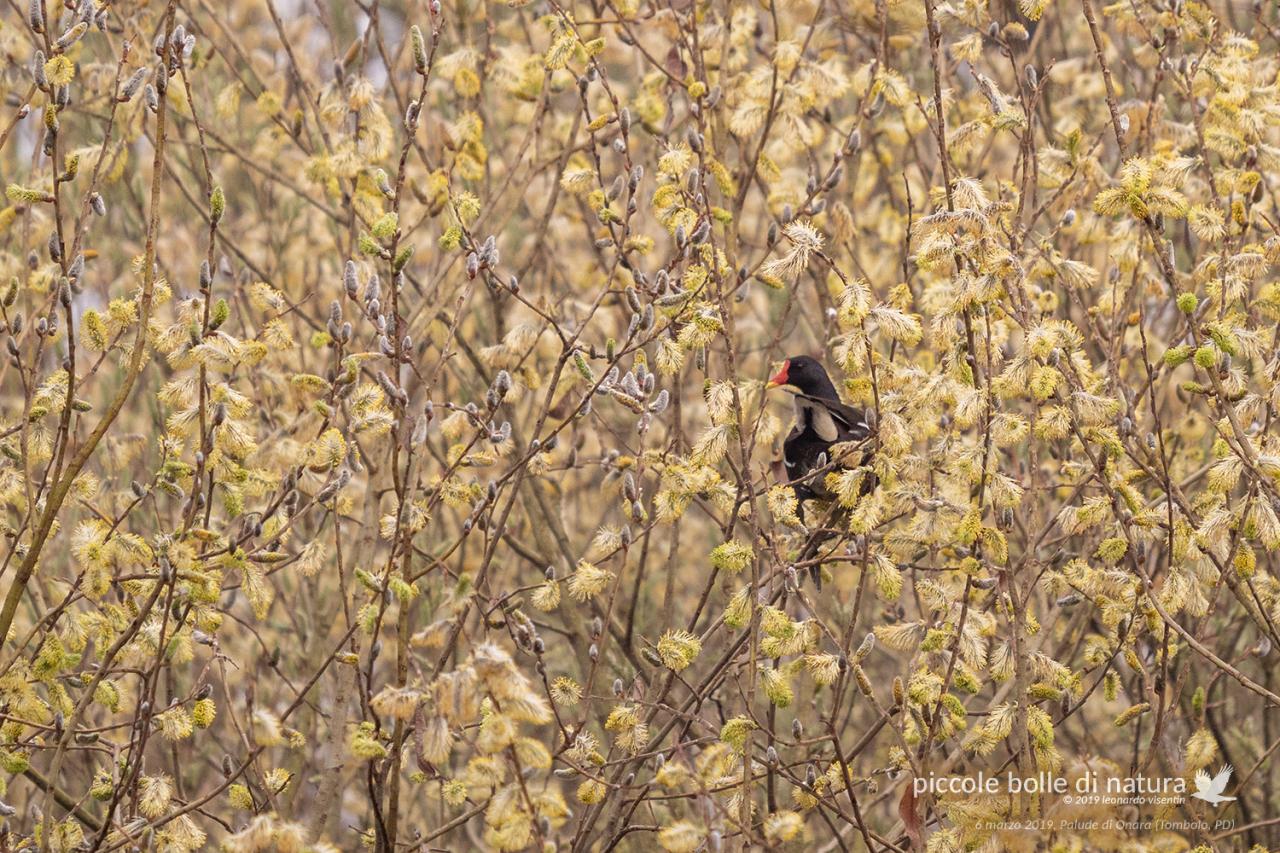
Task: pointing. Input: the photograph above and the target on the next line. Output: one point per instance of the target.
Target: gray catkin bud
(633, 298)
(630, 385)
(35, 15)
(133, 84)
(647, 318)
(349, 281)
(37, 70)
(99, 206)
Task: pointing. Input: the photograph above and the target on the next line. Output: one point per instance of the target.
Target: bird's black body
(821, 421)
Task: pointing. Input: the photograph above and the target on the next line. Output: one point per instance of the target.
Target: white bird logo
(1210, 790)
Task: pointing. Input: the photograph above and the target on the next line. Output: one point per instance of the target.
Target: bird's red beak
(780, 378)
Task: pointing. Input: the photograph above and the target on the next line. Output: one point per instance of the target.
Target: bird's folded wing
(847, 417)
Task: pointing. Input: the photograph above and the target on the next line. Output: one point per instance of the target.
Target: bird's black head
(805, 375)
